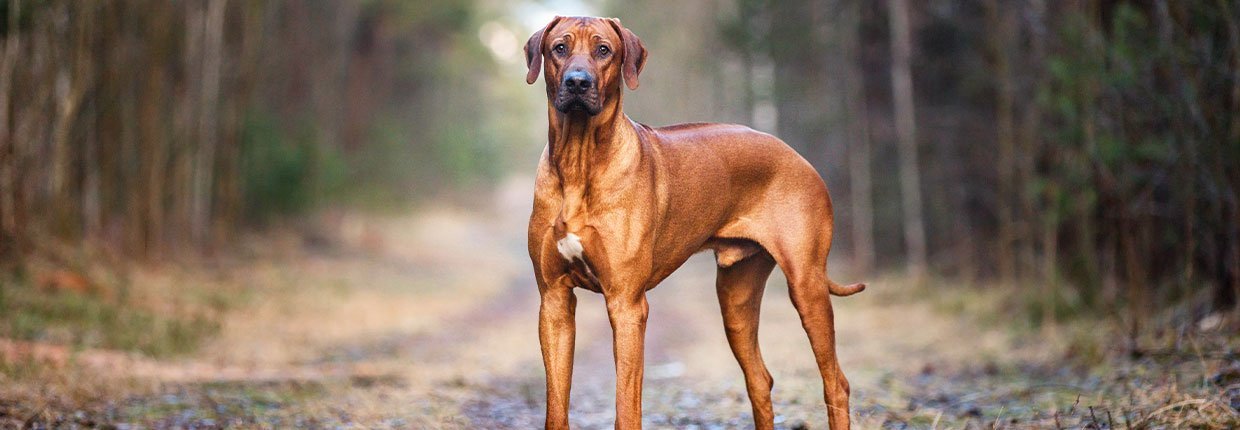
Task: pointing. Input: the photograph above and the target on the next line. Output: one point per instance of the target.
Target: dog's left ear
(533, 51)
(634, 53)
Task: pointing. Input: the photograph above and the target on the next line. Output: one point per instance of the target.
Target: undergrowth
(91, 321)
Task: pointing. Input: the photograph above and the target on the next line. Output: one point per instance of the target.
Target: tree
(860, 179)
(906, 130)
(999, 29)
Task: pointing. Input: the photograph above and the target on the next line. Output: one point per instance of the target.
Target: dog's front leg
(627, 312)
(557, 330)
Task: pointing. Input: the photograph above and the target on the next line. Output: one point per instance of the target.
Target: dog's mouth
(589, 103)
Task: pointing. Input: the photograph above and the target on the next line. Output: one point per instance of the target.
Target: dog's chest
(579, 270)
(572, 245)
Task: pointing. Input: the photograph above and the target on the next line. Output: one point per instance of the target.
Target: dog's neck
(580, 144)
(588, 151)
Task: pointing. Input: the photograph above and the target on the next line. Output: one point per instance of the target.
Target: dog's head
(586, 58)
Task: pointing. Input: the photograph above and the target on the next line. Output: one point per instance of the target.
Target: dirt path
(429, 321)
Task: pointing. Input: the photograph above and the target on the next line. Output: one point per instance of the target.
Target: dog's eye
(603, 50)
(559, 48)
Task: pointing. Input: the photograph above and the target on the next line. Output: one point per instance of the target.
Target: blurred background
(1081, 158)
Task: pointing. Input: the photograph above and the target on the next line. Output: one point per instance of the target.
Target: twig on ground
(1169, 407)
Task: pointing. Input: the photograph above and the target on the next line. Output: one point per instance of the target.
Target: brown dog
(618, 206)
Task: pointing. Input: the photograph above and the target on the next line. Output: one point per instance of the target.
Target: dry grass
(1085, 372)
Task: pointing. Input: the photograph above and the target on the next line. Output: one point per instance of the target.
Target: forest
(1088, 149)
(1080, 157)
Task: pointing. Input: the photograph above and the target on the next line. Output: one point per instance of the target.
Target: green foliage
(1129, 102)
(90, 321)
(285, 174)
(1062, 303)
(275, 170)
(464, 153)
(386, 170)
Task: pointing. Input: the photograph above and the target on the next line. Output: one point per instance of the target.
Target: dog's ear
(533, 52)
(634, 53)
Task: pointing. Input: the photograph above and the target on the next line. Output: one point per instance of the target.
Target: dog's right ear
(533, 52)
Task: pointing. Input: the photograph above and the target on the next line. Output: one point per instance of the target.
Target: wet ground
(429, 321)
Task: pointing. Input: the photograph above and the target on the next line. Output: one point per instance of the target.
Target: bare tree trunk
(11, 234)
(1187, 161)
(906, 123)
(1230, 270)
(860, 178)
(998, 41)
(229, 182)
(208, 124)
(72, 80)
(1233, 38)
(183, 147)
(84, 82)
(131, 143)
(1030, 140)
(155, 161)
(1089, 93)
(92, 222)
(1050, 258)
(1030, 146)
(1136, 275)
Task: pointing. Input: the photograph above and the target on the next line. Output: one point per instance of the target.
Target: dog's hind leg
(804, 264)
(808, 289)
(740, 286)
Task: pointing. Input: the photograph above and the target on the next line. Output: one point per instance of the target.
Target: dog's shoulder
(740, 147)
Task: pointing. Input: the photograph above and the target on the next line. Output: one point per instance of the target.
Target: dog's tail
(844, 290)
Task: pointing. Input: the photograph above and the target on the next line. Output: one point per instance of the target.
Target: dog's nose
(578, 81)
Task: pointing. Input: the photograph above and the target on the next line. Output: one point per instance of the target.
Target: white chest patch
(569, 247)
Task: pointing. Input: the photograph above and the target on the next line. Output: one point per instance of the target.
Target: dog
(618, 206)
